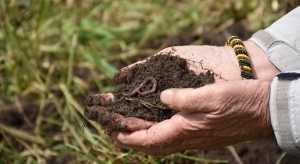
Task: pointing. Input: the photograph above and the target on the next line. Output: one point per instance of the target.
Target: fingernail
(166, 97)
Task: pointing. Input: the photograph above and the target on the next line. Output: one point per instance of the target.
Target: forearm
(277, 48)
(280, 44)
(281, 41)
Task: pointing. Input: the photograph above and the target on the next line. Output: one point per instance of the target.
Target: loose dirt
(138, 93)
(265, 151)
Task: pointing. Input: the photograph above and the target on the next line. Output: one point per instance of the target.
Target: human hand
(220, 60)
(211, 117)
(198, 58)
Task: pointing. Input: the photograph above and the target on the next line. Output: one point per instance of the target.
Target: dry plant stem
(145, 103)
(138, 89)
(234, 154)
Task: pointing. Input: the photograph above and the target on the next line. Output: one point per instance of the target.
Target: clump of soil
(138, 93)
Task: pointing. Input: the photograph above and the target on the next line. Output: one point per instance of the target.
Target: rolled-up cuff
(281, 53)
(281, 41)
(285, 110)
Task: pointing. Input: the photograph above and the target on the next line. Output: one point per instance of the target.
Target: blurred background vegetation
(53, 53)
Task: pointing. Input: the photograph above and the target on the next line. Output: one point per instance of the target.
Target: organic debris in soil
(138, 94)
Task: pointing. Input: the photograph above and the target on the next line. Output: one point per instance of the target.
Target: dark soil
(265, 151)
(138, 93)
(157, 73)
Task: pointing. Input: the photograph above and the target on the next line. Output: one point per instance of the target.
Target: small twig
(143, 93)
(281, 158)
(145, 103)
(235, 154)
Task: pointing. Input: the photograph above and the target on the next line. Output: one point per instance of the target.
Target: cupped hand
(220, 60)
(211, 117)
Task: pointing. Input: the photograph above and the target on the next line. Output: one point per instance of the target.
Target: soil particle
(138, 93)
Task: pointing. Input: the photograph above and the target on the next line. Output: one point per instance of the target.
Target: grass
(54, 53)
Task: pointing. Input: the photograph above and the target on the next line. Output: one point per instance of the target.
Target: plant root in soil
(138, 94)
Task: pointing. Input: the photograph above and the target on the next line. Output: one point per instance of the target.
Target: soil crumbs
(138, 94)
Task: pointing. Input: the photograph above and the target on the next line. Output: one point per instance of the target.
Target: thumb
(187, 99)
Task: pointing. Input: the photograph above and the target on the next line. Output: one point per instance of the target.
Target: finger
(188, 99)
(99, 100)
(154, 137)
(105, 118)
(134, 124)
(113, 121)
(120, 76)
(158, 149)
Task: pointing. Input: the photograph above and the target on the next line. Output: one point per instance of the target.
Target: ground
(168, 72)
(23, 114)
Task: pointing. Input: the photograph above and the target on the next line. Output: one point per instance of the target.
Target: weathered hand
(220, 60)
(211, 117)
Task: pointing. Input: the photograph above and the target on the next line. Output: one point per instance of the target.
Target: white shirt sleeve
(281, 42)
(285, 110)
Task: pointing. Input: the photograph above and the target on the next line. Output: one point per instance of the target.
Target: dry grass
(53, 53)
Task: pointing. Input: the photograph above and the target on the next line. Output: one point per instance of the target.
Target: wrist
(262, 68)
